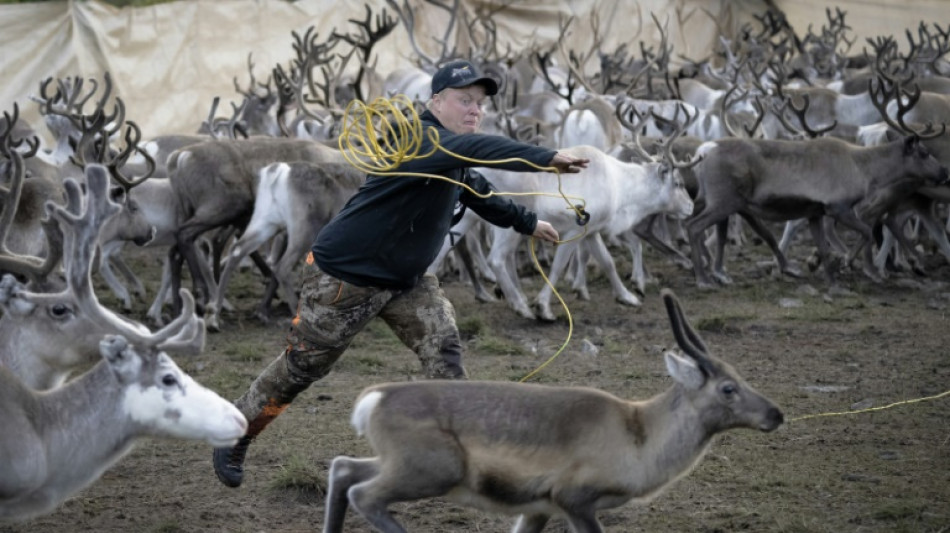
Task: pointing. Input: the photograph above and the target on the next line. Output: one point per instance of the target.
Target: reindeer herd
(773, 126)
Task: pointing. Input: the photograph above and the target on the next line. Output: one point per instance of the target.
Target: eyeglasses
(468, 102)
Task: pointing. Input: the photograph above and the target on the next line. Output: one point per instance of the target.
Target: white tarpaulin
(169, 61)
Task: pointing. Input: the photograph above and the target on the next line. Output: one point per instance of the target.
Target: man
(370, 260)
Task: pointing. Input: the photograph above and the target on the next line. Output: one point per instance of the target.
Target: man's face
(460, 110)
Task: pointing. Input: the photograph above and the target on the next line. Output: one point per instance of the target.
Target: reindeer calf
(540, 451)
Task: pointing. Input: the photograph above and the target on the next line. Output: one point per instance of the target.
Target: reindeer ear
(910, 144)
(10, 300)
(684, 371)
(120, 355)
(117, 195)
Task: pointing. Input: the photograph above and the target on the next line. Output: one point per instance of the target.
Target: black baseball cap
(461, 73)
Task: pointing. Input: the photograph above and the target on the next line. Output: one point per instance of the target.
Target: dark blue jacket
(392, 229)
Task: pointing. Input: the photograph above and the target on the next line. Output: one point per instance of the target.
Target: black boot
(229, 462)
(268, 396)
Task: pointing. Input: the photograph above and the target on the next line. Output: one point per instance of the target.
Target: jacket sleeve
(486, 150)
(497, 210)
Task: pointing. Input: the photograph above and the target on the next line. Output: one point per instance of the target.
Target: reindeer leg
(769, 239)
(185, 239)
(465, 254)
(105, 270)
(788, 234)
(599, 250)
(695, 228)
(584, 522)
(662, 244)
(417, 476)
(817, 228)
(936, 231)
(638, 273)
(719, 271)
(499, 258)
(577, 268)
(848, 217)
(531, 523)
(137, 288)
(888, 247)
(895, 225)
(561, 258)
(344, 473)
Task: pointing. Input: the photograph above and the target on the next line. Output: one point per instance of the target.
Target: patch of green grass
(472, 327)
(497, 346)
(377, 336)
(252, 352)
(227, 381)
(718, 324)
(359, 363)
(300, 475)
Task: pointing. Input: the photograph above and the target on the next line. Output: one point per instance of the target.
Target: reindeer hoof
(722, 278)
(629, 299)
(524, 312)
(263, 316)
(483, 296)
(792, 272)
(872, 276)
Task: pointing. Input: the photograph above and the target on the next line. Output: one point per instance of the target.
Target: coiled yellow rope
(377, 138)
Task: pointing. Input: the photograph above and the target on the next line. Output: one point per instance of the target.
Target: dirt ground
(810, 351)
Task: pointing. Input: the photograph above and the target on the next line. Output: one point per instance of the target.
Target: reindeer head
(48, 333)
(161, 397)
(715, 389)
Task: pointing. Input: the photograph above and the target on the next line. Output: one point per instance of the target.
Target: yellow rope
(377, 138)
(870, 409)
(570, 321)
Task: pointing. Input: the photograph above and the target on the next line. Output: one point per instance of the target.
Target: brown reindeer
(540, 451)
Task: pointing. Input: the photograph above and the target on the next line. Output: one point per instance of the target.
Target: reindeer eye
(169, 380)
(59, 311)
(729, 389)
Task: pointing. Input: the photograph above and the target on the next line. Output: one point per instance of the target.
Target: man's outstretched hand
(546, 232)
(568, 164)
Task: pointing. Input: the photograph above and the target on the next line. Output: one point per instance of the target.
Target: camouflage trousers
(330, 313)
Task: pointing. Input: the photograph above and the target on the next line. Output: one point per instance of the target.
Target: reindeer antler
(33, 268)
(80, 222)
(880, 95)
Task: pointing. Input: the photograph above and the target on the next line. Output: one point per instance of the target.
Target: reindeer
(298, 198)
(58, 442)
(537, 450)
(785, 180)
(50, 330)
(618, 196)
(215, 183)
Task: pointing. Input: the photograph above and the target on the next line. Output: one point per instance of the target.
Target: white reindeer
(56, 443)
(618, 196)
(297, 198)
(540, 451)
(48, 332)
